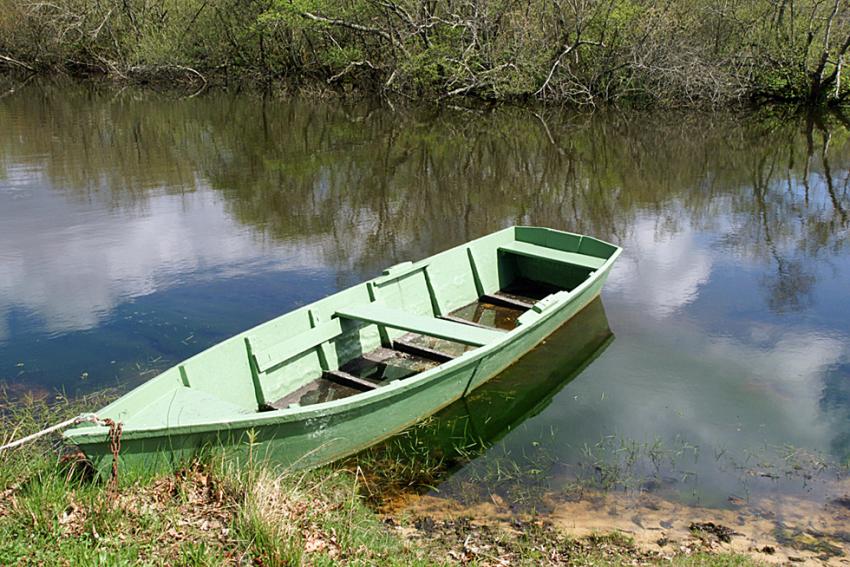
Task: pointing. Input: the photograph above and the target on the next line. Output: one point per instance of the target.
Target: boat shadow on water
(421, 457)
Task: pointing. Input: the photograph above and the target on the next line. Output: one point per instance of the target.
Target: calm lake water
(139, 228)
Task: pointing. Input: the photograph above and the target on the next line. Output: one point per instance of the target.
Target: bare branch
(817, 75)
(15, 62)
(353, 26)
(560, 57)
(349, 67)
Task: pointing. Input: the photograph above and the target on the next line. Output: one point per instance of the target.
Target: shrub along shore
(581, 52)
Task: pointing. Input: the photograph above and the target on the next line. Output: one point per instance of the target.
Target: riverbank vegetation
(53, 511)
(582, 52)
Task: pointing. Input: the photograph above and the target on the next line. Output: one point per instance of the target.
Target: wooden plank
(379, 355)
(476, 277)
(382, 331)
(430, 326)
(183, 376)
(421, 351)
(324, 350)
(283, 351)
(432, 294)
(500, 299)
(544, 253)
(255, 374)
(468, 322)
(349, 379)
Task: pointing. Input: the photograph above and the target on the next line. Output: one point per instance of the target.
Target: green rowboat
(333, 377)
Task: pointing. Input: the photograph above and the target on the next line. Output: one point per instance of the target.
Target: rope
(115, 430)
(82, 418)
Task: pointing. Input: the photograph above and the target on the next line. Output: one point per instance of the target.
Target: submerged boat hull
(320, 433)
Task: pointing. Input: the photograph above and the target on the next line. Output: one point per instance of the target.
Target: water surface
(139, 228)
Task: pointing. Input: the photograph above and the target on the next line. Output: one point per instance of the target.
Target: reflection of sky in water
(86, 289)
(660, 272)
(729, 306)
(71, 264)
(699, 362)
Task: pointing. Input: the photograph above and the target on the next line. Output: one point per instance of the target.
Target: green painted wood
(382, 331)
(432, 294)
(596, 247)
(452, 281)
(544, 253)
(479, 287)
(488, 265)
(549, 238)
(184, 378)
(324, 348)
(381, 315)
(255, 374)
(397, 271)
(186, 407)
(280, 353)
(214, 398)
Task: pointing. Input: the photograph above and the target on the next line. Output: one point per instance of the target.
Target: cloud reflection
(661, 269)
(70, 264)
(754, 383)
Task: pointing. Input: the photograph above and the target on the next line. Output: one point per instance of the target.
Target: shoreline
(186, 82)
(53, 509)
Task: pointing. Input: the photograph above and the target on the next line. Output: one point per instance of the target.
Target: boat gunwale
(95, 434)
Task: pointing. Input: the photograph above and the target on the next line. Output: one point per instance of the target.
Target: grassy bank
(674, 53)
(54, 512)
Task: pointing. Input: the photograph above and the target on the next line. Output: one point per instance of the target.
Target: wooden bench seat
(544, 253)
(281, 352)
(423, 325)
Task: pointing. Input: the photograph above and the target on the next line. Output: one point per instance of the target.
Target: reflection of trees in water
(388, 185)
(794, 216)
(98, 144)
(369, 186)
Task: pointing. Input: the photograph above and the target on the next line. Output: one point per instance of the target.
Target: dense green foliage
(677, 52)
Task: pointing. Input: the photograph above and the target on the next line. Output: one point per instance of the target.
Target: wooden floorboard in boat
(318, 391)
(411, 348)
(350, 380)
(386, 364)
(507, 300)
(468, 322)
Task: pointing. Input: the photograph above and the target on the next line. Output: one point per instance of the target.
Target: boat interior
(413, 317)
(415, 352)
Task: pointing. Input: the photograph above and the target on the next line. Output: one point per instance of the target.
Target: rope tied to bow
(116, 428)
